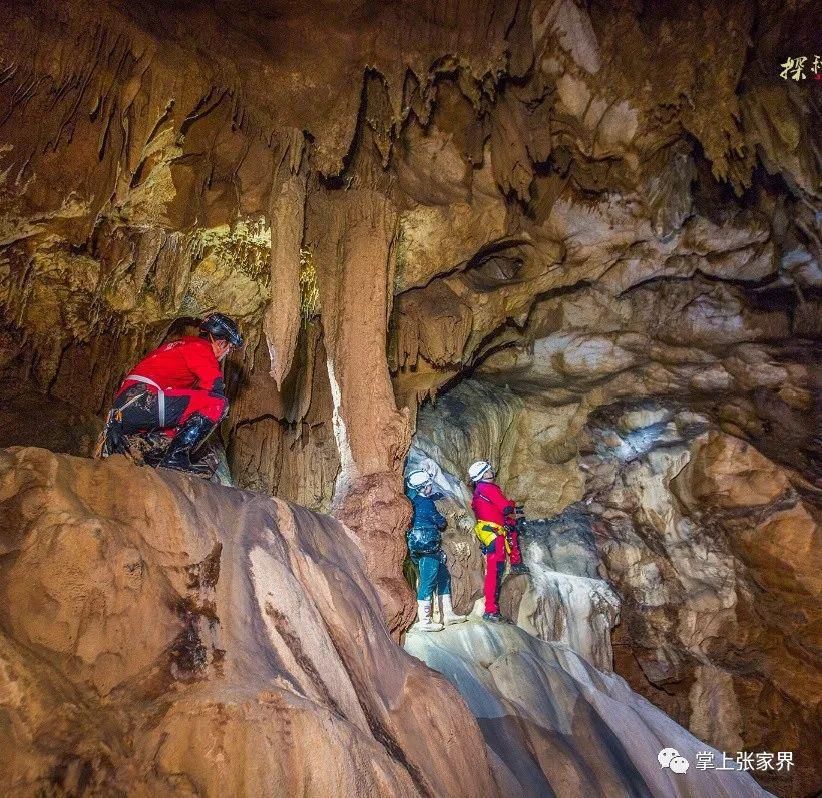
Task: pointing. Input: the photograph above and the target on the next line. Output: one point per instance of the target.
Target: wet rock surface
(692, 568)
(557, 726)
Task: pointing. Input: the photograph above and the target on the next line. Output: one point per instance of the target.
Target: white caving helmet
(418, 479)
(479, 469)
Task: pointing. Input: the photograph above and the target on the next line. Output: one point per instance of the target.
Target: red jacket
(489, 504)
(187, 363)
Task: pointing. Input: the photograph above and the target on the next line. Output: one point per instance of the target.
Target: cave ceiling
(643, 160)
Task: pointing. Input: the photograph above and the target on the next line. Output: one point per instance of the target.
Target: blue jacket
(427, 523)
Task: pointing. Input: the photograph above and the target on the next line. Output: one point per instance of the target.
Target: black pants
(139, 410)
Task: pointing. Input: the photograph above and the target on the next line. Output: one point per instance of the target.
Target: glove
(114, 442)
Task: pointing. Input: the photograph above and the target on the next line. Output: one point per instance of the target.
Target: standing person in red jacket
(497, 532)
(177, 389)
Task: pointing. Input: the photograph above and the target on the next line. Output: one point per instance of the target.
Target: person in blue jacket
(425, 546)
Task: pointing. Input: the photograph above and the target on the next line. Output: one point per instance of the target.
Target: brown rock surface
(710, 549)
(354, 243)
(177, 638)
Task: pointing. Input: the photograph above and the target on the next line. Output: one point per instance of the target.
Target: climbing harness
(488, 532)
(161, 397)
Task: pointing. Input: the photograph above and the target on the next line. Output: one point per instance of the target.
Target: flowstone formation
(186, 639)
(580, 239)
(180, 638)
(691, 566)
(554, 725)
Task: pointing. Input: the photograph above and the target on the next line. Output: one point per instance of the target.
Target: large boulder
(164, 636)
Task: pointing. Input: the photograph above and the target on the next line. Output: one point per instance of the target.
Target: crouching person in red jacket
(176, 389)
(497, 533)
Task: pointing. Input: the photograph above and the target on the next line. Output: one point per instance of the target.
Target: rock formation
(556, 726)
(162, 636)
(709, 552)
(582, 239)
(181, 638)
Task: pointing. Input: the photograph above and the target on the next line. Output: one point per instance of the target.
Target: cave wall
(158, 161)
(689, 563)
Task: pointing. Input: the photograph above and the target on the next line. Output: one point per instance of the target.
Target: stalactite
(282, 317)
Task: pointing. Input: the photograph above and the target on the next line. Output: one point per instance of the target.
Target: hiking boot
(188, 438)
(447, 614)
(520, 568)
(494, 617)
(424, 621)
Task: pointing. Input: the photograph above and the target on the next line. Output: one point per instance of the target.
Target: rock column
(353, 256)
